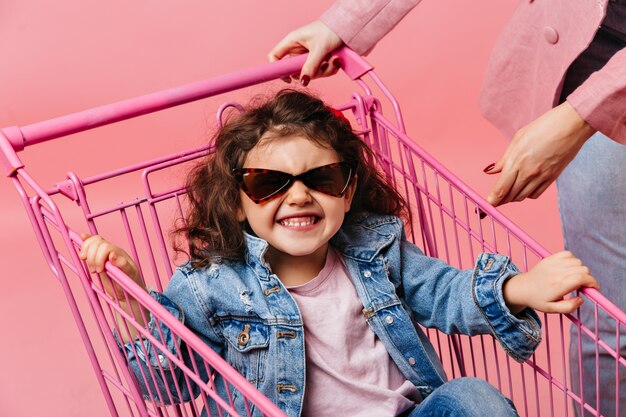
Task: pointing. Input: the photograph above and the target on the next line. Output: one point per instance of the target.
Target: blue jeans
(592, 204)
(465, 397)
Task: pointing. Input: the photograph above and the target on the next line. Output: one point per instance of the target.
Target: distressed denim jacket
(398, 285)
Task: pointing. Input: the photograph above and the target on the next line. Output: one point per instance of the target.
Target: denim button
(274, 289)
(244, 336)
(286, 387)
(411, 361)
(290, 334)
(367, 274)
(389, 319)
(243, 339)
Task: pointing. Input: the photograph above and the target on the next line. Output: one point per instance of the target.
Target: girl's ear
(241, 216)
(349, 195)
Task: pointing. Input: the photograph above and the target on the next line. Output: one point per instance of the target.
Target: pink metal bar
(8, 158)
(150, 103)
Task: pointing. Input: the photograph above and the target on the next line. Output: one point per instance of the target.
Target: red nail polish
(304, 80)
(481, 214)
(324, 66)
(489, 167)
(337, 63)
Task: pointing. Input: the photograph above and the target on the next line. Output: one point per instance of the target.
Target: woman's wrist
(577, 124)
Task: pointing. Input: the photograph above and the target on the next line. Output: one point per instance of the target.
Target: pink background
(68, 55)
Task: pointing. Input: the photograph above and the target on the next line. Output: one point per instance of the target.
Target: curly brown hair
(211, 227)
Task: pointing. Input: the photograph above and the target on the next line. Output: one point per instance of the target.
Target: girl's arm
(473, 301)
(546, 285)
(96, 252)
(158, 377)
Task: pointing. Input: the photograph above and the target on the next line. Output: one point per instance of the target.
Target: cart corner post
(11, 142)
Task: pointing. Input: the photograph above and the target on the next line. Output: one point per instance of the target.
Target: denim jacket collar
(256, 248)
(364, 237)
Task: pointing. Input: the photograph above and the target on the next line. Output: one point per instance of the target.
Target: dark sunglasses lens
(261, 185)
(331, 180)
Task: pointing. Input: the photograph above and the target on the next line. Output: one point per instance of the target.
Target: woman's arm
(360, 24)
(541, 150)
(600, 99)
(537, 155)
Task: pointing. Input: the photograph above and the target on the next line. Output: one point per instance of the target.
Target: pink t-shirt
(348, 369)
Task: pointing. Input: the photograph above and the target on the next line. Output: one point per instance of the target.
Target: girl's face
(299, 223)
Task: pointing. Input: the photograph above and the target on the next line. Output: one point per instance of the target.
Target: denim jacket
(398, 285)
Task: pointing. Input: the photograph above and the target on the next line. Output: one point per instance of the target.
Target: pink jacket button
(551, 34)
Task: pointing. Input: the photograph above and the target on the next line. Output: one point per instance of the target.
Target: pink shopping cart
(446, 223)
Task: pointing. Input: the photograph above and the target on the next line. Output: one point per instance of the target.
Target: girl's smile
(299, 223)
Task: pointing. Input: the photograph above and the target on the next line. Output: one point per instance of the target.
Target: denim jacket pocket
(247, 347)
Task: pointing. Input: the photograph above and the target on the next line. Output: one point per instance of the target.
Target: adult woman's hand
(539, 152)
(318, 40)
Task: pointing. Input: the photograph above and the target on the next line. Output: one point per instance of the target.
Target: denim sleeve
(519, 335)
(466, 302)
(438, 295)
(144, 350)
(158, 378)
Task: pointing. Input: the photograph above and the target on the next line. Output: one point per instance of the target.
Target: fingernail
(489, 167)
(304, 80)
(481, 213)
(324, 66)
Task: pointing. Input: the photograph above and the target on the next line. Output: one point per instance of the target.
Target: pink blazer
(524, 77)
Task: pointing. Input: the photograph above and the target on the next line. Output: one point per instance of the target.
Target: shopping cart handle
(352, 64)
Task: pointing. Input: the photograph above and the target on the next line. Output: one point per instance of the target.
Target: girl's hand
(547, 283)
(318, 40)
(96, 252)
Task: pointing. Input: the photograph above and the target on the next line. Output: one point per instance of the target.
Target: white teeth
(298, 222)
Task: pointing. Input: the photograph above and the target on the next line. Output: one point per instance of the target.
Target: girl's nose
(298, 194)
